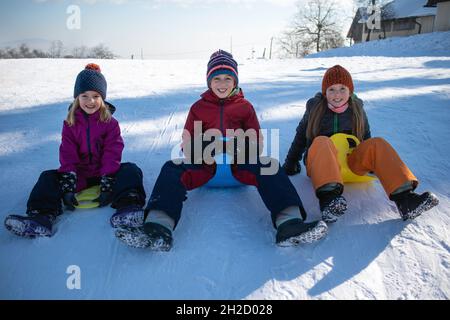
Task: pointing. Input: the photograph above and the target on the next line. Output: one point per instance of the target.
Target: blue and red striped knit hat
(222, 62)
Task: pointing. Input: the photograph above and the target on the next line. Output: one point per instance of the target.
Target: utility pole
(142, 54)
(270, 52)
(231, 44)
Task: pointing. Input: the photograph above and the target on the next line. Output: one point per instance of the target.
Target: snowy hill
(436, 44)
(224, 244)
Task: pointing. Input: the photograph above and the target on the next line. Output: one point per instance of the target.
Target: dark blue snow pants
(46, 194)
(174, 180)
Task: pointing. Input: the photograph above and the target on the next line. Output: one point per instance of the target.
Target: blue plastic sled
(223, 177)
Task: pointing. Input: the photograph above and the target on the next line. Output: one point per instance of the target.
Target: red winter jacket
(231, 113)
(90, 148)
(234, 113)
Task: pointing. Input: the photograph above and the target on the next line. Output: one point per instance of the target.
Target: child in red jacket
(224, 111)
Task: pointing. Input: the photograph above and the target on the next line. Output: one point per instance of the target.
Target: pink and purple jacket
(90, 148)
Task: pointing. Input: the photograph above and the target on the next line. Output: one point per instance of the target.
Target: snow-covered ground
(224, 244)
(429, 45)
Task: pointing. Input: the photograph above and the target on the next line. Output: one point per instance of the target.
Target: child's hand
(106, 186)
(292, 168)
(68, 184)
(70, 201)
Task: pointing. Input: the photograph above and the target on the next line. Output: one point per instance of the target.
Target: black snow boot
(332, 203)
(411, 205)
(129, 212)
(296, 231)
(35, 224)
(129, 216)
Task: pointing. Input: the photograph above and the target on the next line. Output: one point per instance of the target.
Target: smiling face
(222, 85)
(337, 95)
(90, 101)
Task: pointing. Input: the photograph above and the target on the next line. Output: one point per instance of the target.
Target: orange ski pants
(372, 155)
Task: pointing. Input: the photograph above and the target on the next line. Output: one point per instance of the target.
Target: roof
(409, 9)
(432, 3)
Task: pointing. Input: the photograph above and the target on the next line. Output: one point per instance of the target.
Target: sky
(155, 29)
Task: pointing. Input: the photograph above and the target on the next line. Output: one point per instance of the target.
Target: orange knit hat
(337, 75)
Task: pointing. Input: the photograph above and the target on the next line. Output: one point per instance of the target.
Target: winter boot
(411, 205)
(296, 231)
(332, 204)
(34, 224)
(151, 235)
(129, 211)
(130, 216)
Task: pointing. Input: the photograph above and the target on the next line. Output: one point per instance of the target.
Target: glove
(106, 185)
(292, 167)
(70, 201)
(68, 184)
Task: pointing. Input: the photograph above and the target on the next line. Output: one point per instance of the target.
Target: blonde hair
(315, 118)
(105, 114)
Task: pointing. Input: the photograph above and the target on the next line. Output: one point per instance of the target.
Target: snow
(224, 244)
(436, 44)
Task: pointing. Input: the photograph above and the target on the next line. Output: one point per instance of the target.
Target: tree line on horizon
(57, 50)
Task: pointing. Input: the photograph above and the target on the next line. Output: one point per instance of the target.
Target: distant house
(399, 18)
(442, 21)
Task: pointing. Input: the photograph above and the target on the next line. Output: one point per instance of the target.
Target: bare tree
(39, 54)
(292, 45)
(11, 53)
(24, 51)
(80, 52)
(101, 52)
(56, 49)
(314, 28)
